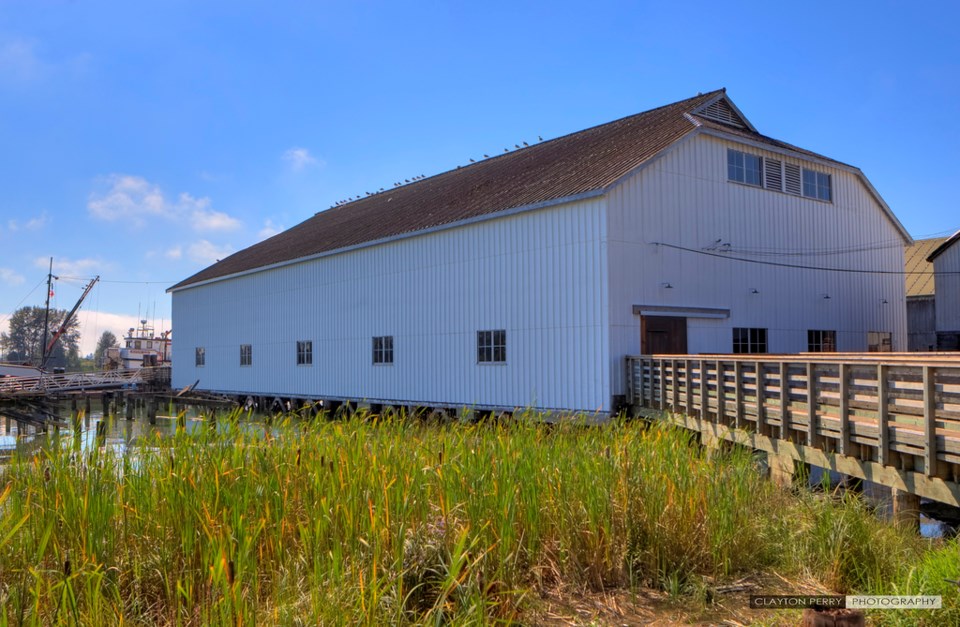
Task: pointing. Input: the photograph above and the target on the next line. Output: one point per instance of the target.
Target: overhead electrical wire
(780, 264)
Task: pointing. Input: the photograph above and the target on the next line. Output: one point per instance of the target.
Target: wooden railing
(898, 411)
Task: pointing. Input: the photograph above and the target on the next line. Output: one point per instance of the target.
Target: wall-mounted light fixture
(754, 291)
(666, 286)
(826, 297)
(883, 301)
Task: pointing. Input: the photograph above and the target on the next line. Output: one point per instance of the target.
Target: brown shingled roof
(578, 163)
(919, 271)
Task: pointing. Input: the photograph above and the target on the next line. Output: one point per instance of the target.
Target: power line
(797, 266)
(79, 278)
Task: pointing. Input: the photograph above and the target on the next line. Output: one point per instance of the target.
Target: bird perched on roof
(407, 180)
(516, 145)
(506, 150)
(525, 144)
(486, 156)
(539, 139)
(472, 161)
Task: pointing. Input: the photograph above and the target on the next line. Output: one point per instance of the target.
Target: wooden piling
(130, 406)
(906, 509)
(152, 411)
(101, 439)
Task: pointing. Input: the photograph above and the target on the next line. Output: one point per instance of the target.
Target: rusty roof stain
(919, 271)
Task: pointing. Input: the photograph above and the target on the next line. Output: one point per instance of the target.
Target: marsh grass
(386, 520)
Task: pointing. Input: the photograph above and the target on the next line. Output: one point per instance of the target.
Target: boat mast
(46, 314)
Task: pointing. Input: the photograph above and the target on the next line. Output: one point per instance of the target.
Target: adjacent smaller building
(921, 294)
(946, 273)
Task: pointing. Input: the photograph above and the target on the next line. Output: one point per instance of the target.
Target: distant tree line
(23, 343)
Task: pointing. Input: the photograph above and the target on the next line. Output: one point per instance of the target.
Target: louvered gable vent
(721, 111)
(772, 174)
(792, 176)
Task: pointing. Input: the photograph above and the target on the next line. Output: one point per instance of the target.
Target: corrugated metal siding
(684, 198)
(948, 288)
(536, 274)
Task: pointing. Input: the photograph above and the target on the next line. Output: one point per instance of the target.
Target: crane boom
(66, 321)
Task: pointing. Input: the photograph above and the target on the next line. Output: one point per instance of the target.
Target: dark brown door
(663, 335)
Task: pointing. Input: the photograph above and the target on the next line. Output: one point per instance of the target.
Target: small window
(743, 167)
(383, 349)
(305, 353)
(821, 341)
(136, 344)
(492, 346)
(879, 341)
(201, 356)
(246, 355)
(747, 340)
(817, 185)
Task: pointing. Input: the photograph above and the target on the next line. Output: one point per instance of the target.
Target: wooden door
(663, 335)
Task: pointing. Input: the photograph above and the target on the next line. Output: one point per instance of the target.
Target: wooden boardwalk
(893, 419)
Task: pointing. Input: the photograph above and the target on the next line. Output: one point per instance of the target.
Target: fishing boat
(142, 347)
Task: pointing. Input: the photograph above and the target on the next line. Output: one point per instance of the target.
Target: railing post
(704, 392)
(687, 389)
(628, 362)
(929, 422)
(721, 395)
(844, 409)
(784, 400)
(738, 394)
(761, 398)
(883, 416)
(674, 387)
(663, 385)
(811, 404)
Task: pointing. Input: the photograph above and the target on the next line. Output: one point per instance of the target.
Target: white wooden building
(946, 275)
(524, 280)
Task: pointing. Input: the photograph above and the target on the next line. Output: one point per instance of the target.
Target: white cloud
(135, 201)
(300, 158)
(33, 224)
(63, 266)
(174, 253)
(94, 323)
(204, 251)
(269, 230)
(11, 278)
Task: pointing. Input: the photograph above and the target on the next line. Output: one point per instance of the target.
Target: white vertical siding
(535, 274)
(946, 274)
(685, 199)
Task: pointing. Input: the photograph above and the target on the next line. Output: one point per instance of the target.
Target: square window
(817, 185)
(747, 340)
(820, 341)
(246, 354)
(492, 346)
(744, 168)
(305, 353)
(201, 356)
(383, 349)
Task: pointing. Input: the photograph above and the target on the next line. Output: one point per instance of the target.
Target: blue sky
(142, 141)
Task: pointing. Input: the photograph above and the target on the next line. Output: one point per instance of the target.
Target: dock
(892, 419)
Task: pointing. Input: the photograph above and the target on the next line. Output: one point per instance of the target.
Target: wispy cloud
(19, 61)
(10, 278)
(269, 230)
(33, 224)
(66, 267)
(136, 201)
(300, 158)
(175, 252)
(22, 64)
(204, 251)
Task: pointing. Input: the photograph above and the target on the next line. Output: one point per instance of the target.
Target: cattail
(298, 458)
(171, 461)
(231, 572)
(46, 473)
(67, 568)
